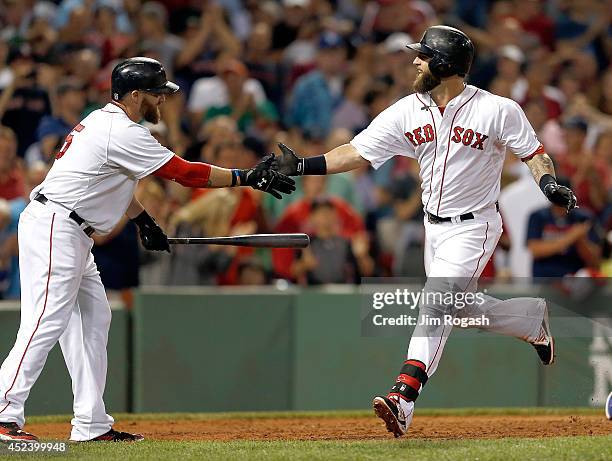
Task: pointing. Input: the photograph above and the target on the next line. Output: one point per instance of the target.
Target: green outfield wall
(193, 350)
(52, 393)
(231, 349)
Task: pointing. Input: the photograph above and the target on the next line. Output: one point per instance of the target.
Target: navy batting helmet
(450, 50)
(144, 74)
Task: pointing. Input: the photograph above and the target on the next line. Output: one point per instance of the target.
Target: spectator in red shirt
(11, 175)
(330, 258)
(296, 219)
(587, 173)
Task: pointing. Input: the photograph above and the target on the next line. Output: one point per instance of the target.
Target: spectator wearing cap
(510, 61)
(52, 129)
(24, 101)
(319, 93)
(295, 219)
(251, 272)
(231, 93)
(12, 184)
(330, 257)
(153, 34)
(588, 174)
(562, 243)
(400, 72)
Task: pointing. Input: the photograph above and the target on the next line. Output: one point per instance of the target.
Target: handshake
(271, 175)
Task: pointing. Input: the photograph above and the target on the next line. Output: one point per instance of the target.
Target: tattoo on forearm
(541, 165)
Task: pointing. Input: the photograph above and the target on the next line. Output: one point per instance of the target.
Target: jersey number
(68, 141)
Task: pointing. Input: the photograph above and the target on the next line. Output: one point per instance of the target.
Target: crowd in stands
(312, 74)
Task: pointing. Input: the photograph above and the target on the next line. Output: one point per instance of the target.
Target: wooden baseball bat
(252, 240)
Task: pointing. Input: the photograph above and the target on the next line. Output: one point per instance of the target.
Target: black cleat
(117, 436)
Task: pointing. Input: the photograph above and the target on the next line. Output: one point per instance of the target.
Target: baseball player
(459, 134)
(89, 187)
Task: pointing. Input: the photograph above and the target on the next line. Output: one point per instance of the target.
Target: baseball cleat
(10, 432)
(392, 414)
(609, 407)
(545, 343)
(117, 436)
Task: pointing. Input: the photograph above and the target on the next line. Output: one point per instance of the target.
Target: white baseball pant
(62, 299)
(457, 252)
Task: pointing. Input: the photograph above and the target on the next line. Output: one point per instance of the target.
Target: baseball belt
(73, 215)
(433, 219)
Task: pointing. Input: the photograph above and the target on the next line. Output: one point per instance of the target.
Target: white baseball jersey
(99, 165)
(460, 153)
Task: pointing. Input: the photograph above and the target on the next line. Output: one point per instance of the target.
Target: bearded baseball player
(89, 187)
(459, 134)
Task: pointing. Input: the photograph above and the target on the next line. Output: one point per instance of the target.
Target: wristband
(545, 180)
(235, 175)
(313, 165)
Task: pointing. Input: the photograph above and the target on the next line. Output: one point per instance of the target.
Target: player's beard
(150, 112)
(425, 82)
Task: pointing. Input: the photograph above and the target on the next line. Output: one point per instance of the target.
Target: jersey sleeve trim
(156, 166)
(539, 151)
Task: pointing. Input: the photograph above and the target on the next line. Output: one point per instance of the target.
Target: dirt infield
(355, 428)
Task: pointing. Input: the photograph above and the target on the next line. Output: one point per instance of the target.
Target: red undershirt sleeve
(188, 174)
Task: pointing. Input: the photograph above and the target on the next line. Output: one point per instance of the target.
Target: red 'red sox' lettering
(421, 135)
(461, 135)
(469, 137)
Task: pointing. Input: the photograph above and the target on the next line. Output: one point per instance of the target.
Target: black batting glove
(557, 194)
(289, 163)
(151, 235)
(266, 177)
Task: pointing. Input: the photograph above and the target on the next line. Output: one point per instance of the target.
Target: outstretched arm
(342, 158)
(197, 174)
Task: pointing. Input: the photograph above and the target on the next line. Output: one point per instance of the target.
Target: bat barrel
(253, 240)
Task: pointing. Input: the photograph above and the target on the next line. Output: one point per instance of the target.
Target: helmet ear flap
(440, 67)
